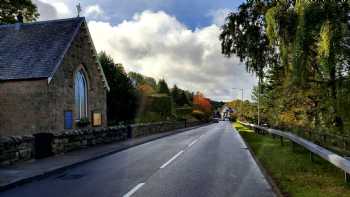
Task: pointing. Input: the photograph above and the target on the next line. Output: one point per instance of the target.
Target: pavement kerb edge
(59, 169)
(262, 169)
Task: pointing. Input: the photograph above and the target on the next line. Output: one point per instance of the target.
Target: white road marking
(133, 190)
(172, 159)
(193, 142)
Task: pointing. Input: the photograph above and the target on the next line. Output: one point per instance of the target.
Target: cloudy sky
(172, 39)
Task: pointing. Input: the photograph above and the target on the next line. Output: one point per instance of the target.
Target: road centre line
(193, 142)
(172, 159)
(133, 190)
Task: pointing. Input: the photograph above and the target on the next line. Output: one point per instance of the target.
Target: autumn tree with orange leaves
(202, 108)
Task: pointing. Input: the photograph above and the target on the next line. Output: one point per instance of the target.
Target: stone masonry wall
(82, 138)
(34, 106)
(21, 148)
(23, 107)
(61, 87)
(14, 149)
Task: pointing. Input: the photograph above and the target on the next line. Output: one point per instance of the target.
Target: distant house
(50, 78)
(226, 112)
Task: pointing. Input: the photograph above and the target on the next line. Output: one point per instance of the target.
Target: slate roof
(34, 50)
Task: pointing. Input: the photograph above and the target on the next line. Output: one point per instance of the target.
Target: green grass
(294, 173)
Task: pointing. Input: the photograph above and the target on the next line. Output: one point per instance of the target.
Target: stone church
(50, 78)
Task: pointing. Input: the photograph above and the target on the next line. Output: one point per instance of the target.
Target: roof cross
(79, 9)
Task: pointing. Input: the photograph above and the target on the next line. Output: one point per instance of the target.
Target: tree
(202, 107)
(122, 99)
(150, 81)
(310, 36)
(183, 99)
(11, 9)
(179, 96)
(175, 92)
(139, 79)
(217, 104)
(244, 35)
(201, 103)
(146, 89)
(163, 87)
(298, 49)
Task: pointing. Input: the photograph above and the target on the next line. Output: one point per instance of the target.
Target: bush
(182, 112)
(160, 103)
(199, 115)
(233, 117)
(149, 117)
(83, 122)
(155, 107)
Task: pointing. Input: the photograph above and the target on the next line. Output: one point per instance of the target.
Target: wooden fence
(335, 159)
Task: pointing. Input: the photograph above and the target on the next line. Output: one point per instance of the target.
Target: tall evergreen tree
(179, 96)
(122, 99)
(163, 87)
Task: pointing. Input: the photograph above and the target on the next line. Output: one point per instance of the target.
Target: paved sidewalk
(11, 176)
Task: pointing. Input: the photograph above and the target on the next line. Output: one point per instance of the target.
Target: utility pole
(259, 83)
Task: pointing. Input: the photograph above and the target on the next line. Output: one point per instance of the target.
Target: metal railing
(341, 162)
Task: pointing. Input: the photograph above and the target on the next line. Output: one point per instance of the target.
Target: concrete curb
(262, 169)
(47, 173)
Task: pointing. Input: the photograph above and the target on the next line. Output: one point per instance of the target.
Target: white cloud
(158, 45)
(93, 11)
(219, 16)
(62, 9)
(47, 11)
(56, 9)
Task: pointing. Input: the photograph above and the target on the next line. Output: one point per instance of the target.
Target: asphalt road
(208, 161)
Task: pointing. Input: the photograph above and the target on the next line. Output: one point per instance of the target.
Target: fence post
(347, 175)
(311, 156)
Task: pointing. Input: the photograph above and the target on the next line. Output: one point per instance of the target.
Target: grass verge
(293, 171)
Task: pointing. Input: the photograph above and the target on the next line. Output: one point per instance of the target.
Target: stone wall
(23, 107)
(61, 87)
(82, 138)
(21, 148)
(14, 149)
(139, 130)
(35, 106)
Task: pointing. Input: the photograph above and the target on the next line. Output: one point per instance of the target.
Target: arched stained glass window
(80, 86)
